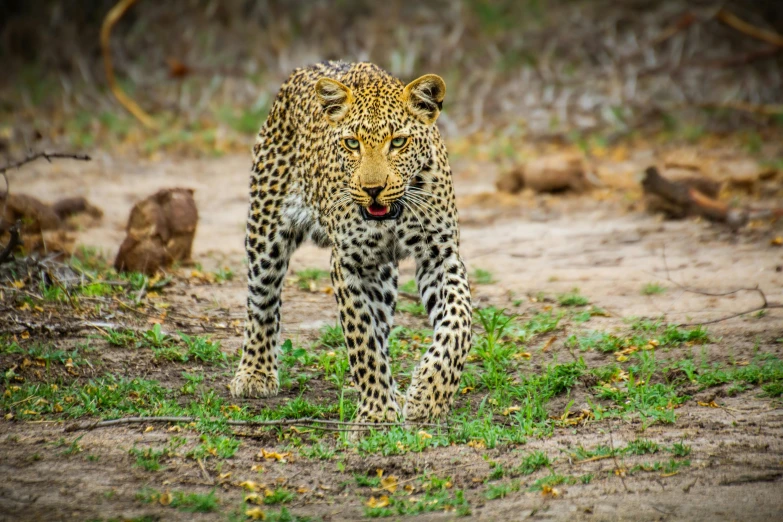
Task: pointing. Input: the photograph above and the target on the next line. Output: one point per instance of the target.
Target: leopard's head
(383, 134)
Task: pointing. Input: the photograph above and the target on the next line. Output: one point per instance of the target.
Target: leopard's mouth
(377, 212)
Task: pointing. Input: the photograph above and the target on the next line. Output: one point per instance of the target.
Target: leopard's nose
(373, 191)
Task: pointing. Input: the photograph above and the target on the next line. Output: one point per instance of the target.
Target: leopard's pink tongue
(377, 210)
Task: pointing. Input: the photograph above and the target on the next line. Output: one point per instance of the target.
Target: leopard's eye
(399, 142)
(351, 143)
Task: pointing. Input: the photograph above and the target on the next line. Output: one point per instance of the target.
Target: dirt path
(535, 250)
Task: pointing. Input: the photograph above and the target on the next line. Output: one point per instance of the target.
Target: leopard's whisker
(423, 194)
(422, 203)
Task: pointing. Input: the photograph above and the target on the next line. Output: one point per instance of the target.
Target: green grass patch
(482, 277)
(186, 502)
(573, 298)
(653, 289)
(309, 278)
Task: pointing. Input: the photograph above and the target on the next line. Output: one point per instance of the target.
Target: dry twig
(303, 422)
(733, 21)
(111, 19)
(48, 156)
(766, 305)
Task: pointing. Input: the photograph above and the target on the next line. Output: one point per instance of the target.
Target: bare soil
(534, 247)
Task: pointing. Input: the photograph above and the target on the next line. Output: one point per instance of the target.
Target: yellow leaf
(175, 429)
(302, 490)
(711, 404)
(510, 410)
(778, 241)
(389, 483)
(9, 416)
(269, 455)
(165, 498)
(224, 476)
(249, 485)
(256, 513)
(254, 498)
(18, 284)
(25, 306)
(148, 429)
(550, 491)
(522, 355)
(380, 502)
(466, 389)
(477, 444)
(30, 412)
(25, 335)
(621, 358)
(57, 408)
(424, 435)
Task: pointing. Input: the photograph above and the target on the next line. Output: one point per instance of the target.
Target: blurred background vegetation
(573, 71)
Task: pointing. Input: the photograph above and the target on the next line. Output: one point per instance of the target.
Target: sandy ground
(550, 245)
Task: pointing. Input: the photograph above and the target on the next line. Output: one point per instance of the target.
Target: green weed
(653, 289)
(309, 278)
(482, 277)
(187, 502)
(573, 298)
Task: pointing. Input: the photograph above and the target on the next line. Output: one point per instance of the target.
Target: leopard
(351, 158)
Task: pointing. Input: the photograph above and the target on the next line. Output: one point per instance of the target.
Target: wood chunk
(160, 231)
(683, 200)
(553, 173)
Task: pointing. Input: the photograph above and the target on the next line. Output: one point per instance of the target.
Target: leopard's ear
(424, 97)
(335, 98)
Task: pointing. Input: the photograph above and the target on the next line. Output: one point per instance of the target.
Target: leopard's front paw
(255, 384)
(418, 409)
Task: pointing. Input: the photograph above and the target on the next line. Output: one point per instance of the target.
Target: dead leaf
(508, 411)
(269, 455)
(254, 498)
(550, 491)
(711, 404)
(380, 502)
(389, 483)
(777, 241)
(256, 513)
(548, 344)
(466, 389)
(165, 499)
(424, 435)
(250, 485)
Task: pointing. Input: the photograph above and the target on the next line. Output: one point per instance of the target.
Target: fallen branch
(689, 200)
(303, 422)
(733, 21)
(48, 156)
(766, 305)
(112, 17)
